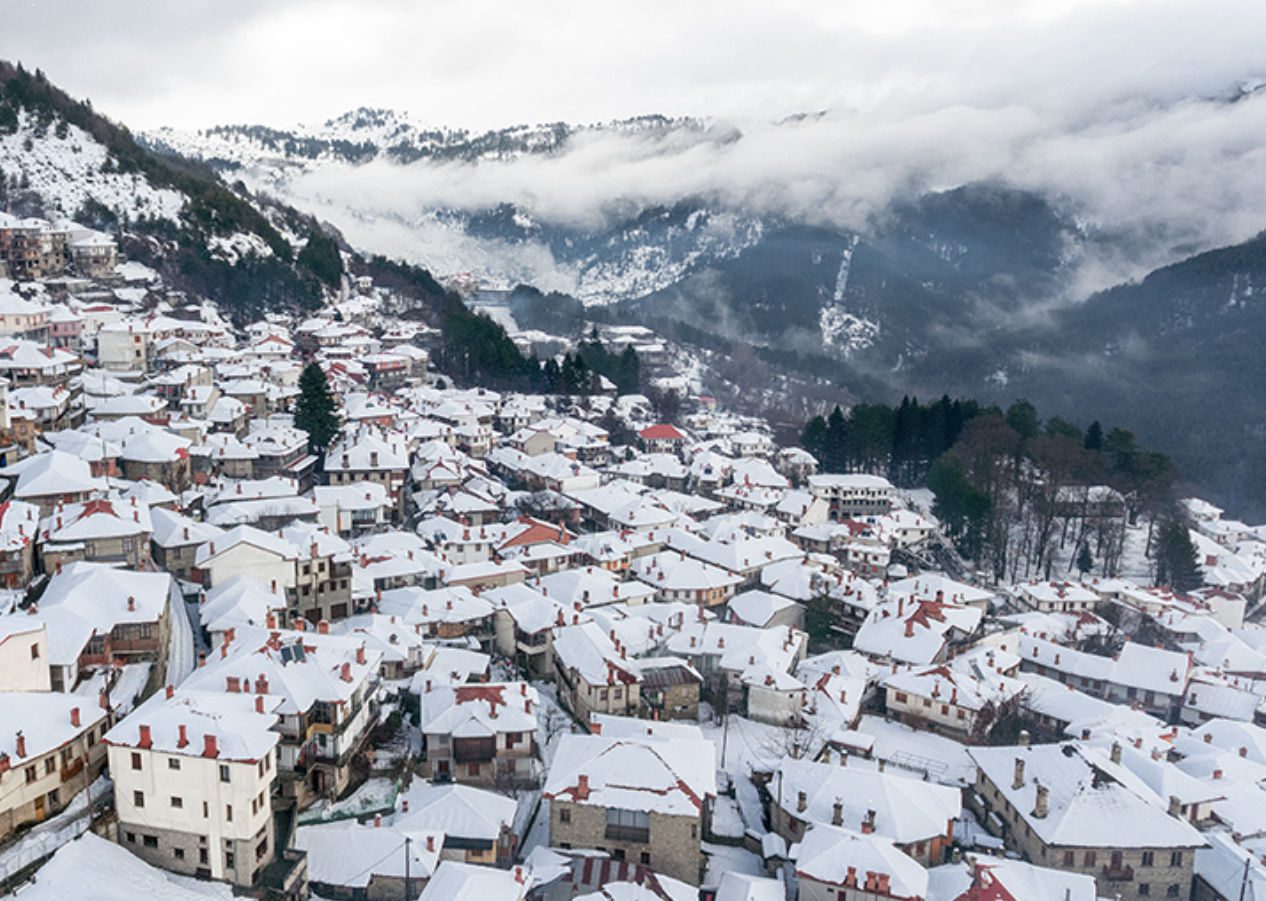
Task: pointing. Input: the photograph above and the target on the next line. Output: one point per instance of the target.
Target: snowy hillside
(61, 168)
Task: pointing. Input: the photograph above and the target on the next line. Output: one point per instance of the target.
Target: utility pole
(408, 882)
(725, 714)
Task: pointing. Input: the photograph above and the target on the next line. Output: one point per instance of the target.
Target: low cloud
(1147, 181)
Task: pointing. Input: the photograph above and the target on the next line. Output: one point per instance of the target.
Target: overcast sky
(483, 63)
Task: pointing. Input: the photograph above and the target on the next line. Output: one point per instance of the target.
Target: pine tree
(813, 438)
(835, 452)
(1085, 562)
(1176, 562)
(315, 409)
(1094, 437)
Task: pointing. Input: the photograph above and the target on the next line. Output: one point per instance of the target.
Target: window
(138, 799)
(628, 825)
(1068, 859)
(224, 772)
(694, 830)
(1149, 858)
(228, 812)
(50, 766)
(1172, 891)
(131, 837)
(1145, 889)
(646, 858)
(1175, 858)
(35, 651)
(136, 760)
(179, 853)
(173, 763)
(149, 841)
(228, 860)
(564, 815)
(31, 775)
(177, 803)
(1090, 858)
(206, 811)
(902, 697)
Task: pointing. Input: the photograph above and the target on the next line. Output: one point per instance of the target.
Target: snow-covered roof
(667, 776)
(1091, 802)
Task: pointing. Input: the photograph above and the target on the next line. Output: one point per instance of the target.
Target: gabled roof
(668, 776)
(662, 432)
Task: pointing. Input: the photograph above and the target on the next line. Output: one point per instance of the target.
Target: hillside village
(492, 645)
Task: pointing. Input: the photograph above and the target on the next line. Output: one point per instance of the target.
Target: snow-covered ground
(67, 172)
(375, 794)
(180, 648)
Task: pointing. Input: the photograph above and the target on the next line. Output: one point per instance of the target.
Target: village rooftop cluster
(504, 646)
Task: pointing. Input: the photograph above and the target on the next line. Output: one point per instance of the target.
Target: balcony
(1117, 873)
(619, 833)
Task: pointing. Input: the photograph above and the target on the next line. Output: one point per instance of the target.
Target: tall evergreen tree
(1094, 437)
(813, 438)
(1085, 562)
(835, 453)
(1176, 562)
(315, 409)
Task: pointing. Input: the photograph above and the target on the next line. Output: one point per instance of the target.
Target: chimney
(1041, 802)
(360, 655)
(259, 703)
(1018, 782)
(1175, 806)
(346, 674)
(170, 692)
(1024, 738)
(430, 839)
(323, 627)
(1217, 774)
(837, 813)
(74, 717)
(909, 628)
(843, 757)
(1116, 752)
(20, 743)
(868, 824)
(146, 740)
(210, 747)
(582, 787)
(519, 876)
(802, 802)
(184, 736)
(131, 603)
(404, 805)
